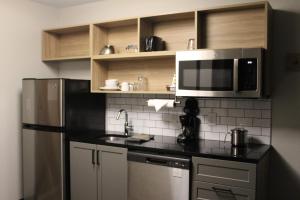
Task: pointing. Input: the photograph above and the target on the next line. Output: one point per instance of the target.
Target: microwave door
(206, 78)
(248, 83)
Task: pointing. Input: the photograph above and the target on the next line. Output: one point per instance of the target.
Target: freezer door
(43, 165)
(29, 114)
(43, 102)
(49, 101)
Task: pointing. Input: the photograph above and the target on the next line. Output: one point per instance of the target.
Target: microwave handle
(236, 75)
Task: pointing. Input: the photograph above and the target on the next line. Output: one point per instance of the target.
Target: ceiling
(64, 3)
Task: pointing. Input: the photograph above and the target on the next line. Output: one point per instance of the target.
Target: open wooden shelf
(134, 92)
(116, 33)
(66, 43)
(174, 29)
(234, 26)
(136, 56)
(242, 26)
(68, 58)
(158, 72)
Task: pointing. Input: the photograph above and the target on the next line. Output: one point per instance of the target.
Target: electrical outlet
(293, 62)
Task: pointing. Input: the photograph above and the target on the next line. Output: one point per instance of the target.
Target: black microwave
(220, 73)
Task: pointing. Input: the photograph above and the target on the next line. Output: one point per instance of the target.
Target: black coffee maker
(189, 122)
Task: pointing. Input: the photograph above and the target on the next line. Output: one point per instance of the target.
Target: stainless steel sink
(113, 137)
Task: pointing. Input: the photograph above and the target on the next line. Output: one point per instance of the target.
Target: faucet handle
(129, 127)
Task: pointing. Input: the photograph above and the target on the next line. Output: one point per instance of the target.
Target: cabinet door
(83, 171)
(112, 174)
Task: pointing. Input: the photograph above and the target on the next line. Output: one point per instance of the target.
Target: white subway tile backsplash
(253, 113)
(218, 116)
(262, 104)
(212, 103)
(266, 114)
(205, 127)
(116, 122)
(221, 112)
(155, 116)
(212, 136)
(219, 129)
(205, 111)
(120, 101)
(265, 123)
(156, 131)
(244, 121)
(253, 130)
(132, 101)
(161, 124)
(149, 123)
(169, 117)
(235, 112)
(227, 121)
(143, 115)
(228, 103)
(137, 122)
(211, 118)
(201, 103)
(225, 137)
(266, 132)
(168, 132)
(149, 96)
(136, 108)
(244, 104)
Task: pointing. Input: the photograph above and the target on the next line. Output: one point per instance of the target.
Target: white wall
(286, 97)
(20, 49)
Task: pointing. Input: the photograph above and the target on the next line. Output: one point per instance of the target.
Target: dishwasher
(158, 177)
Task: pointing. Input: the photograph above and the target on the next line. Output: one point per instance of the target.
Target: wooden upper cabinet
(235, 26)
(119, 34)
(242, 26)
(66, 43)
(174, 29)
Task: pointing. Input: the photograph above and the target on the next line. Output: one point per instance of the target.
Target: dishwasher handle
(156, 159)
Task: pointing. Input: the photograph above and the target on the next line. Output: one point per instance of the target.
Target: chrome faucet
(127, 127)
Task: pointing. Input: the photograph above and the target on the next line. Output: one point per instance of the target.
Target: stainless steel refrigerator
(52, 110)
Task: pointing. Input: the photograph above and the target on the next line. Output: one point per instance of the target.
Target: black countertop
(253, 153)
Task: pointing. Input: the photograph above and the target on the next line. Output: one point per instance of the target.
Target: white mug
(125, 86)
(112, 83)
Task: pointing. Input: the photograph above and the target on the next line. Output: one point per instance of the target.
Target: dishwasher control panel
(158, 159)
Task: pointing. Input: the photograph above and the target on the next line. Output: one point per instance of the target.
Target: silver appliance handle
(236, 76)
(156, 159)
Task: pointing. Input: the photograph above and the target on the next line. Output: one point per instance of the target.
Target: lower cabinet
(210, 191)
(215, 179)
(98, 172)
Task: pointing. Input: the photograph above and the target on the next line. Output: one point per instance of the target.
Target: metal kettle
(238, 137)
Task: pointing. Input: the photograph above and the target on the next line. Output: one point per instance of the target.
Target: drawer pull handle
(98, 159)
(226, 193)
(93, 157)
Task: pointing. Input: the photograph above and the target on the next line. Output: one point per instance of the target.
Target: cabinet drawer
(223, 172)
(210, 191)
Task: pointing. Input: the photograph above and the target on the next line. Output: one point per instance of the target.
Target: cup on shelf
(125, 86)
(111, 83)
(191, 44)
